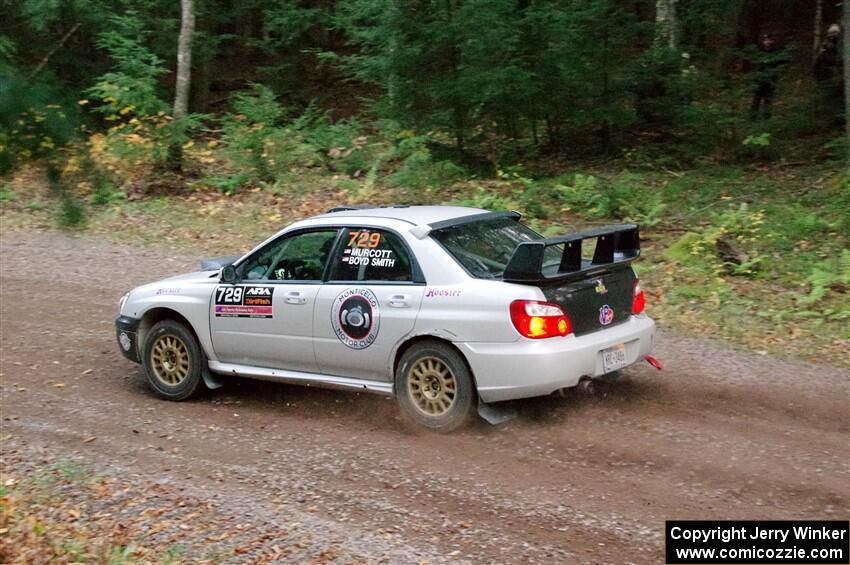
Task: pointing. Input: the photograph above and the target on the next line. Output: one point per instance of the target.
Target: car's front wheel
(434, 386)
(172, 360)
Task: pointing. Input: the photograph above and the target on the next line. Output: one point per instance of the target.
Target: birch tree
(818, 33)
(183, 81)
(666, 23)
(184, 59)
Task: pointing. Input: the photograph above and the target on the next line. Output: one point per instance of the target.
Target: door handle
(399, 300)
(295, 297)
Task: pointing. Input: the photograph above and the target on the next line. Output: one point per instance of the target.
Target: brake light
(538, 320)
(639, 299)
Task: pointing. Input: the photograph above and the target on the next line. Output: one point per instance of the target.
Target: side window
(371, 255)
(300, 257)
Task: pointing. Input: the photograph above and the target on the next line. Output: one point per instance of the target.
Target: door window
(300, 257)
(371, 255)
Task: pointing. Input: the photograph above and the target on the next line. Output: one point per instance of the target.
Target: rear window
(484, 248)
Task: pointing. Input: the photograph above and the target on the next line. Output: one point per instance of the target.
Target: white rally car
(442, 307)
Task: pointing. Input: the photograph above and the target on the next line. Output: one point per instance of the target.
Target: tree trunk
(666, 24)
(183, 82)
(184, 59)
(818, 35)
(845, 21)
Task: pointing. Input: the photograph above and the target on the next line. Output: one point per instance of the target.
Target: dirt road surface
(718, 434)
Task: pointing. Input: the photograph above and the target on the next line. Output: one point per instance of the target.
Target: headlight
(123, 301)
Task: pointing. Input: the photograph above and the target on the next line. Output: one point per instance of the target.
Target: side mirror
(227, 274)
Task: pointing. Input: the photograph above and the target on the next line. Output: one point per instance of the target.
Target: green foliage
(483, 69)
(760, 140)
(6, 194)
(262, 144)
(35, 120)
(71, 212)
(730, 244)
(489, 200)
(418, 167)
(227, 184)
(620, 199)
(132, 85)
(830, 276)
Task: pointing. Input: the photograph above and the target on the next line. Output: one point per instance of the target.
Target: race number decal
(362, 249)
(355, 317)
(244, 301)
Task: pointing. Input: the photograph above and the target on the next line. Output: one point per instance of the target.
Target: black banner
(745, 542)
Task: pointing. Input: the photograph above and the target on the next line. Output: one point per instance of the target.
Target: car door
(266, 320)
(368, 304)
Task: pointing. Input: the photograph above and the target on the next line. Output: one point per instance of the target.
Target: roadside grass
(758, 256)
(60, 510)
(49, 515)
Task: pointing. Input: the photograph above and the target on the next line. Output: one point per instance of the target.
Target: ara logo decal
(600, 287)
(606, 315)
(355, 317)
(258, 291)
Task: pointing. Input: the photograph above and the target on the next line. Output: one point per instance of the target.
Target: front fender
(192, 309)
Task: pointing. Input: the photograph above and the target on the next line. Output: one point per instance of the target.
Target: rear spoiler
(616, 244)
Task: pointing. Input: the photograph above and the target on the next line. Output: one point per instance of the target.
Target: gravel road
(718, 434)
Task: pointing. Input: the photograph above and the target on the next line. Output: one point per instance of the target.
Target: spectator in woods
(767, 62)
(828, 61)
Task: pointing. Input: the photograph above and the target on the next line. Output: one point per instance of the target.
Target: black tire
(182, 386)
(423, 357)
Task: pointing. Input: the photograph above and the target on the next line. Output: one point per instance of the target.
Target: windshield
(484, 248)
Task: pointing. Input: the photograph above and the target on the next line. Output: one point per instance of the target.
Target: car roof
(416, 215)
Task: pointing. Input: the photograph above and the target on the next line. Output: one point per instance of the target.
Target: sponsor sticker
(600, 287)
(606, 315)
(167, 291)
(355, 317)
(442, 292)
(244, 302)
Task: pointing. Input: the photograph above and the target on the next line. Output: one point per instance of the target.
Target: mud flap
(210, 379)
(496, 414)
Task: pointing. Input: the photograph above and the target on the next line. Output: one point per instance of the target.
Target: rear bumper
(127, 331)
(525, 368)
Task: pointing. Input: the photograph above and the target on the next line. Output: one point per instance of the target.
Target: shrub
(618, 199)
(35, 120)
(132, 85)
(418, 168)
(489, 200)
(830, 276)
(729, 245)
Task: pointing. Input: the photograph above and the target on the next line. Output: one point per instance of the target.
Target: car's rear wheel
(172, 360)
(434, 386)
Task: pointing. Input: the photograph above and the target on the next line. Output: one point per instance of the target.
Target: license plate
(614, 358)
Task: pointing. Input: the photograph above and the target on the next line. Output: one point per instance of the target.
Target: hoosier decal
(355, 317)
(244, 301)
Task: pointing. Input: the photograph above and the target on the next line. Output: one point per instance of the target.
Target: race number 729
(229, 295)
(364, 239)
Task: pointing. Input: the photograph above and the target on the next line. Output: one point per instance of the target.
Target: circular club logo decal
(355, 317)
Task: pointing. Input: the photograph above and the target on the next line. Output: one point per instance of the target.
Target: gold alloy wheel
(431, 386)
(170, 360)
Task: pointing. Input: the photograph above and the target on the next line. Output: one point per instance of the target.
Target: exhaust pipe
(587, 386)
(653, 361)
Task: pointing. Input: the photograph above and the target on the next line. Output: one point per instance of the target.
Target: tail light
(538, 320)
(639, 299)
